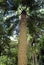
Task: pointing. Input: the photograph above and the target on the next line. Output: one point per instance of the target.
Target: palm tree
(22, 57)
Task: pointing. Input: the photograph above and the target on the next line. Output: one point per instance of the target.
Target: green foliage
(35, 25)
(41, 54)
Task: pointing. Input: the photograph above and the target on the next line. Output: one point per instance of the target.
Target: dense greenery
(10, 12)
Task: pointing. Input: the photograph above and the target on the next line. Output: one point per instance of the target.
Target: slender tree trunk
(35, 58)
(22, 57)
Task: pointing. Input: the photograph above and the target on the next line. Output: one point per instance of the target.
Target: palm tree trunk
(22, 57)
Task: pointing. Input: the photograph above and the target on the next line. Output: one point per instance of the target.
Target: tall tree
(22, 57)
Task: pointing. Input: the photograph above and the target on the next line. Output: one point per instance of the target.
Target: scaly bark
(22, 57)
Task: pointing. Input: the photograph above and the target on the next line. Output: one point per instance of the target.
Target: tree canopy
(10, 15)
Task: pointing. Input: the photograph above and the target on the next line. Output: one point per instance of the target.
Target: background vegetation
(10, 12)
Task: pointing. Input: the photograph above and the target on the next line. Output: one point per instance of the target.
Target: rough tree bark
(22, 57)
